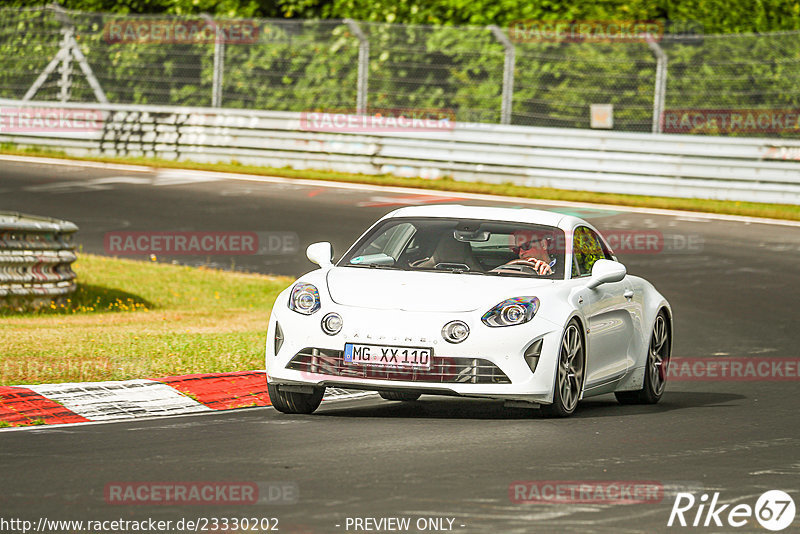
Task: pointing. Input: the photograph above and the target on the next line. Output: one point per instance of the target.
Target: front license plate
(388, 356)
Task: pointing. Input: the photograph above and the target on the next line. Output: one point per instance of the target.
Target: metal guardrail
(36, 254)
(749, 169)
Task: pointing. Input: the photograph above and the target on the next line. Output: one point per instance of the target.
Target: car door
(609, 324)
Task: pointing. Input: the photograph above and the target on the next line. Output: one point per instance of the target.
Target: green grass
(32, 422)
(751, 209)
(132, 319)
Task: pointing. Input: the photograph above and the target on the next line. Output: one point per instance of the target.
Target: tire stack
(36, 256)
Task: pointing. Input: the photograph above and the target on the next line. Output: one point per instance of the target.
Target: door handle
(628, 294)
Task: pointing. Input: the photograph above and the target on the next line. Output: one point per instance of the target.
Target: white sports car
(522, 305)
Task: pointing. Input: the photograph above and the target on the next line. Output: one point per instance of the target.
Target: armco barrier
(750, 169)
(36, 254)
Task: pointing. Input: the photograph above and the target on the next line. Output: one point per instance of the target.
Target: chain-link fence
(470, 74)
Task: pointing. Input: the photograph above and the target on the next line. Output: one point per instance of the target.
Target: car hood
(424, 291)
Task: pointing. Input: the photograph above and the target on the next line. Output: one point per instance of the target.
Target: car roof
(524, 215)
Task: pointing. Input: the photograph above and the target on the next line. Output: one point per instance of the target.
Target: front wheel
(569, 375)
(294, 402)
(655, 376)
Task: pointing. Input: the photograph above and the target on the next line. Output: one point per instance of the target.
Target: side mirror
(320, 253)
(605, 271)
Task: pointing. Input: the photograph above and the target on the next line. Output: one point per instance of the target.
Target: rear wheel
(399, 395)
(655, 375)
(569, 375)
(293, 401)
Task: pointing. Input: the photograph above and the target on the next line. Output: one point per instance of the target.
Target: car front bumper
(489, 363)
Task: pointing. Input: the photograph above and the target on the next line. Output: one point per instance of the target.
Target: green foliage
(587, 249)
(717, 16)
(223, 8)
(296, 66)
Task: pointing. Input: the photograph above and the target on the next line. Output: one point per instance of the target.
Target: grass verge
(132, 319)
(750, 209)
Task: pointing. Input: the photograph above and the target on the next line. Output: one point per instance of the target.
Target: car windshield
(495, 248)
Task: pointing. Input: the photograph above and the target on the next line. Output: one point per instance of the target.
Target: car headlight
(512, 312)
(304, 299)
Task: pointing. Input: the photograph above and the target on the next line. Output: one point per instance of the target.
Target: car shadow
(607, 405)
(434, 407)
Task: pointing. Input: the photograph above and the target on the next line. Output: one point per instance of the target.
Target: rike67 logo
(774, 510)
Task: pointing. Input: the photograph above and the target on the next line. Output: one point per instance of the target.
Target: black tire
(407, 396)
(659, 351)
(569, 374)
(294, 402)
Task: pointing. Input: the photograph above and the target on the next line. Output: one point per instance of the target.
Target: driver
(533, 250)
(536, 252)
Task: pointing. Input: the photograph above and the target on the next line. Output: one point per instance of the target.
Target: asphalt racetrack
(734, 291)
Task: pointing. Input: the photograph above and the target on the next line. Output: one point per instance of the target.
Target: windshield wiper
(373, 266)
(521, 274)
(451, 271)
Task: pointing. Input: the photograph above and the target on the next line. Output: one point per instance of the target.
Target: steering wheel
(519, 266)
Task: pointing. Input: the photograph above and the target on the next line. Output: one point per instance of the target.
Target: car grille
(443, 370)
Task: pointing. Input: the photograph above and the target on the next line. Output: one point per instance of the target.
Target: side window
(607, 253)
(587, 249)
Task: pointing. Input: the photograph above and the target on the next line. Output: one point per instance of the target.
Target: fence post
(507, 101)
(660, 91)
(363, 66)
(219, 62)
(219, 65)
